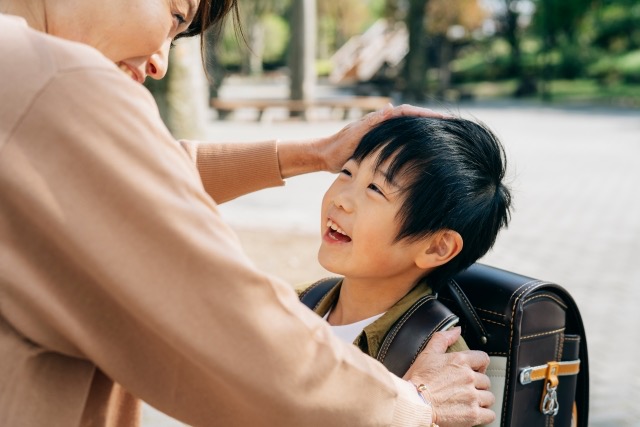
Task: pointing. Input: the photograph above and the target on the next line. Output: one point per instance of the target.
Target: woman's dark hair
(451, 172)
(210, 13)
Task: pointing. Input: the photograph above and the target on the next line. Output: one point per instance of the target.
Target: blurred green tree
(557, 24)
(451, 23)
(415, 66)
(254, 16)
(338, 21)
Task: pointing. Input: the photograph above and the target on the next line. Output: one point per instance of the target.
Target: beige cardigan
(118, 278)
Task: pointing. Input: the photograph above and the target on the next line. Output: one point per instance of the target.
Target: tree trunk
(303, 49)
(511, 34)
(415, 67)
(215, 71)
(187, 91)
(446, 56)
(256, 43)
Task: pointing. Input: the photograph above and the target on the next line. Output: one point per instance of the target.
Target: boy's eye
(376, 189)
(346, 172)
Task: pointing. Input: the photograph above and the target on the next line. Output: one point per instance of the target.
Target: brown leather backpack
(531, 329)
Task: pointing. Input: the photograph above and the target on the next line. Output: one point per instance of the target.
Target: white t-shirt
(348, 333)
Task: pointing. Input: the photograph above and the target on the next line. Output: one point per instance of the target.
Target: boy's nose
(343, 201)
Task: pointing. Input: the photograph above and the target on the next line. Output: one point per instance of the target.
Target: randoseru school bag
(531, 329)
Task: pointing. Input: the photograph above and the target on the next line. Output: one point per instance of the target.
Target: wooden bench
(363, 104)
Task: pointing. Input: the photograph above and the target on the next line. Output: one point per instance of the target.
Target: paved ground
(575, 174)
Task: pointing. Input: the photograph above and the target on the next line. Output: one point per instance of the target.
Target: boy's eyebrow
(388, 178)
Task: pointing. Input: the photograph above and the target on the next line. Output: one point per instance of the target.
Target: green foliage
(615, 26)
(584, 48)
(377, 7)
(564, 91)
(338, 21)
(591, 91)
(277, 38)
(230, 50)
(482, 61)
(555, 19)
(613, 69)
(323, 67)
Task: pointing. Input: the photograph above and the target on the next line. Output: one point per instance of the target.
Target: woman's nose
(158, 63)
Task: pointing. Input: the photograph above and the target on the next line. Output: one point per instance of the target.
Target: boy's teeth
(332, 225)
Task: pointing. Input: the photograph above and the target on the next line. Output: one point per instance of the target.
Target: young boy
(420, 200)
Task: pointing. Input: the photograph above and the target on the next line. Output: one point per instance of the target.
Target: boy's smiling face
(359, 227)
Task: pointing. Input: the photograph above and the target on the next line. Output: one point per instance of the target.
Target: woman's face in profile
(135, 34)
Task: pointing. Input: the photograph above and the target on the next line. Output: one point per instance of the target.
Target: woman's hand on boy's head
(455, 382)
(338, 148)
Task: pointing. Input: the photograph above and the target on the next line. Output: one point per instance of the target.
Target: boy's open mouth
(336, 233)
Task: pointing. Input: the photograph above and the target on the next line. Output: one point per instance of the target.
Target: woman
(118, 278)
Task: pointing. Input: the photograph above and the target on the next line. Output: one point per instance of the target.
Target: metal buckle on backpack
(537, 373)
(549, 405)
(549, 372)
(525, 376)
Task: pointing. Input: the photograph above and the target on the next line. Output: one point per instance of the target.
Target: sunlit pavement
(575, 175)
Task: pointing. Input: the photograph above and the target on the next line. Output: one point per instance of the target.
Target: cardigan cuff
(410, 410)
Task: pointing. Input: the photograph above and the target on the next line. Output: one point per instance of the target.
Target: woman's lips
(131, 72)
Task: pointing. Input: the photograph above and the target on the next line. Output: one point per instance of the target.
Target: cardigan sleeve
(229, 170)
(120, 259)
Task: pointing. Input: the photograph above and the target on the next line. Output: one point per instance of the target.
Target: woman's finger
(482, 382)
(412, 110)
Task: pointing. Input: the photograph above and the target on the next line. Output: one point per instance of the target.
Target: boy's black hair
(452, 172)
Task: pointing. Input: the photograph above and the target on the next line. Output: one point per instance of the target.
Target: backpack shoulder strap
(312, 296)
(410, 334)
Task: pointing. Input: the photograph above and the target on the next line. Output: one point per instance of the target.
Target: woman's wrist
(300, 157)
(423, 393)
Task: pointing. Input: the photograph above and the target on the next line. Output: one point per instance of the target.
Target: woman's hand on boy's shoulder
(338, 148)
(455, 383)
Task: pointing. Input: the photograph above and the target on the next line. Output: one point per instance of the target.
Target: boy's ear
(440, 249)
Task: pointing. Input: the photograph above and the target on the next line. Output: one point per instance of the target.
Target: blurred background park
(416, 51)
(557, 80)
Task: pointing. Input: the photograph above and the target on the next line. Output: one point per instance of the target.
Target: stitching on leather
(542, 334)
(550, 296)
(457, 289)
(490, 312)
(325, 295)
(520, 291)
(315, 285)
(306, 291)
(436, 329)
(526, 286)
(495, 313)
(393, 332)
(494, 322)
(550, 418)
